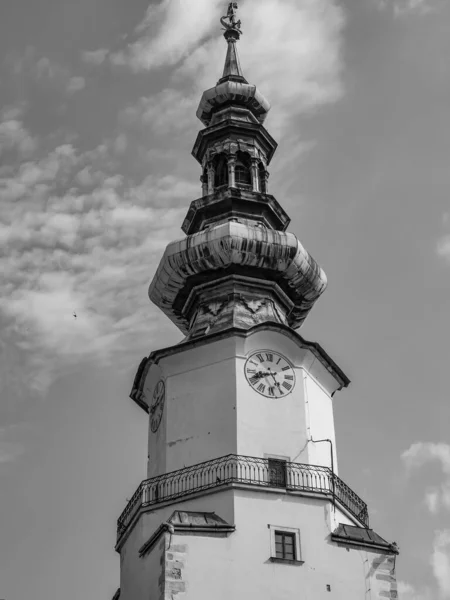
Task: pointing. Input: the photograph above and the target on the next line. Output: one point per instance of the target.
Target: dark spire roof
(232, 69)
(232, 88)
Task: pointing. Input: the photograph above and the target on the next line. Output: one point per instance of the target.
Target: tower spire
(232, 69)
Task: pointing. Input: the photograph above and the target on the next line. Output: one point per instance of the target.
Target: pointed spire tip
(230, 23)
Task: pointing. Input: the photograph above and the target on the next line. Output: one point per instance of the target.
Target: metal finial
(231, 25)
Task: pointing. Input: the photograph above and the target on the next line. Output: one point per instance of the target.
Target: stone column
(211, 173)
(231, 172)
(266, 182)
(255, 175)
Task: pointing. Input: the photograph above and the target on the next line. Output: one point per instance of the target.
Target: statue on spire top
(232, 24)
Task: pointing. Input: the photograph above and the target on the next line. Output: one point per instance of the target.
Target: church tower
(242, 497)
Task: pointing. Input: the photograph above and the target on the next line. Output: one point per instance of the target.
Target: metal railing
(246, 470)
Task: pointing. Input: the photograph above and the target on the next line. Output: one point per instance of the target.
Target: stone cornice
(316, 349)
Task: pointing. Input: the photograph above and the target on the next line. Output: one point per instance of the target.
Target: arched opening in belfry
(220, 170)
(243, 170)
(262, 178)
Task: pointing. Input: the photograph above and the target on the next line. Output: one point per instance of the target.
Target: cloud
(440, 561)
(166, 112)
(410, 7)
(443, 247)
(187, 38)
(14, 137)
(421, 454)
(440, 565)
(408, 592)
(46, 71)
(95, 57)
(82, 242)
(75, 84)
(169, 31)
(9, 450)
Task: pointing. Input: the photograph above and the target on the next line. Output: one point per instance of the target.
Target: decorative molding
(215, 308)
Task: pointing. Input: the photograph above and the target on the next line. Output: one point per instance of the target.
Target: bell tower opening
(220, 171)
(242, 170)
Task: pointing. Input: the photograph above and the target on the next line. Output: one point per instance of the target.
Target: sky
(97, 122)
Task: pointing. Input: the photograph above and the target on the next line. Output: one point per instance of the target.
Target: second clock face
(157, 405)
(270, 373)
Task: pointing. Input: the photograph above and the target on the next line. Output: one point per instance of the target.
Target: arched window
(221, 171)
(262, 178)
(242, 170)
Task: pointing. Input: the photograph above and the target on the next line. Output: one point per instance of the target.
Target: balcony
(242, 470)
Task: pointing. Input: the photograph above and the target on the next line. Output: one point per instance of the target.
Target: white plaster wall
(320, 423)
(239, 567)
(139, 576)
(283, 426)
(212, 411)
(156, 459)
(199, 420)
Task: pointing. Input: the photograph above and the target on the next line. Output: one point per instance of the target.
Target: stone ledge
(286, 561)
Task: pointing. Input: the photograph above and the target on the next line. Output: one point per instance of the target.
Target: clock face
(270, 374)
(157, 405)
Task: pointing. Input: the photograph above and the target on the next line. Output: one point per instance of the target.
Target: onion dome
(239, 253)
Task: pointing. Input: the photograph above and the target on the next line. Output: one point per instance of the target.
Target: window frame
(285, 535)
(295, 533)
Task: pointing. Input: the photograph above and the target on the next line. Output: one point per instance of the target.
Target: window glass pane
(285, 545)
(289, 554)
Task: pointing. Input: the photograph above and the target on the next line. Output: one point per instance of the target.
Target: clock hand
(277, 383)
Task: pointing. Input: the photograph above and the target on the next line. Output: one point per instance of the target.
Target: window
(242, 170)
(204, 179)
(221, 171)
(284, 545)
(277, 472)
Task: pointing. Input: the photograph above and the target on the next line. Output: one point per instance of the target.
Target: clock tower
(242, 497)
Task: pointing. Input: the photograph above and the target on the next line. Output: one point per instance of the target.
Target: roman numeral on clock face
(269, 357)
(254, 380)
(261, 388)
(288, 386)
(290, 377)
(260, 357)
